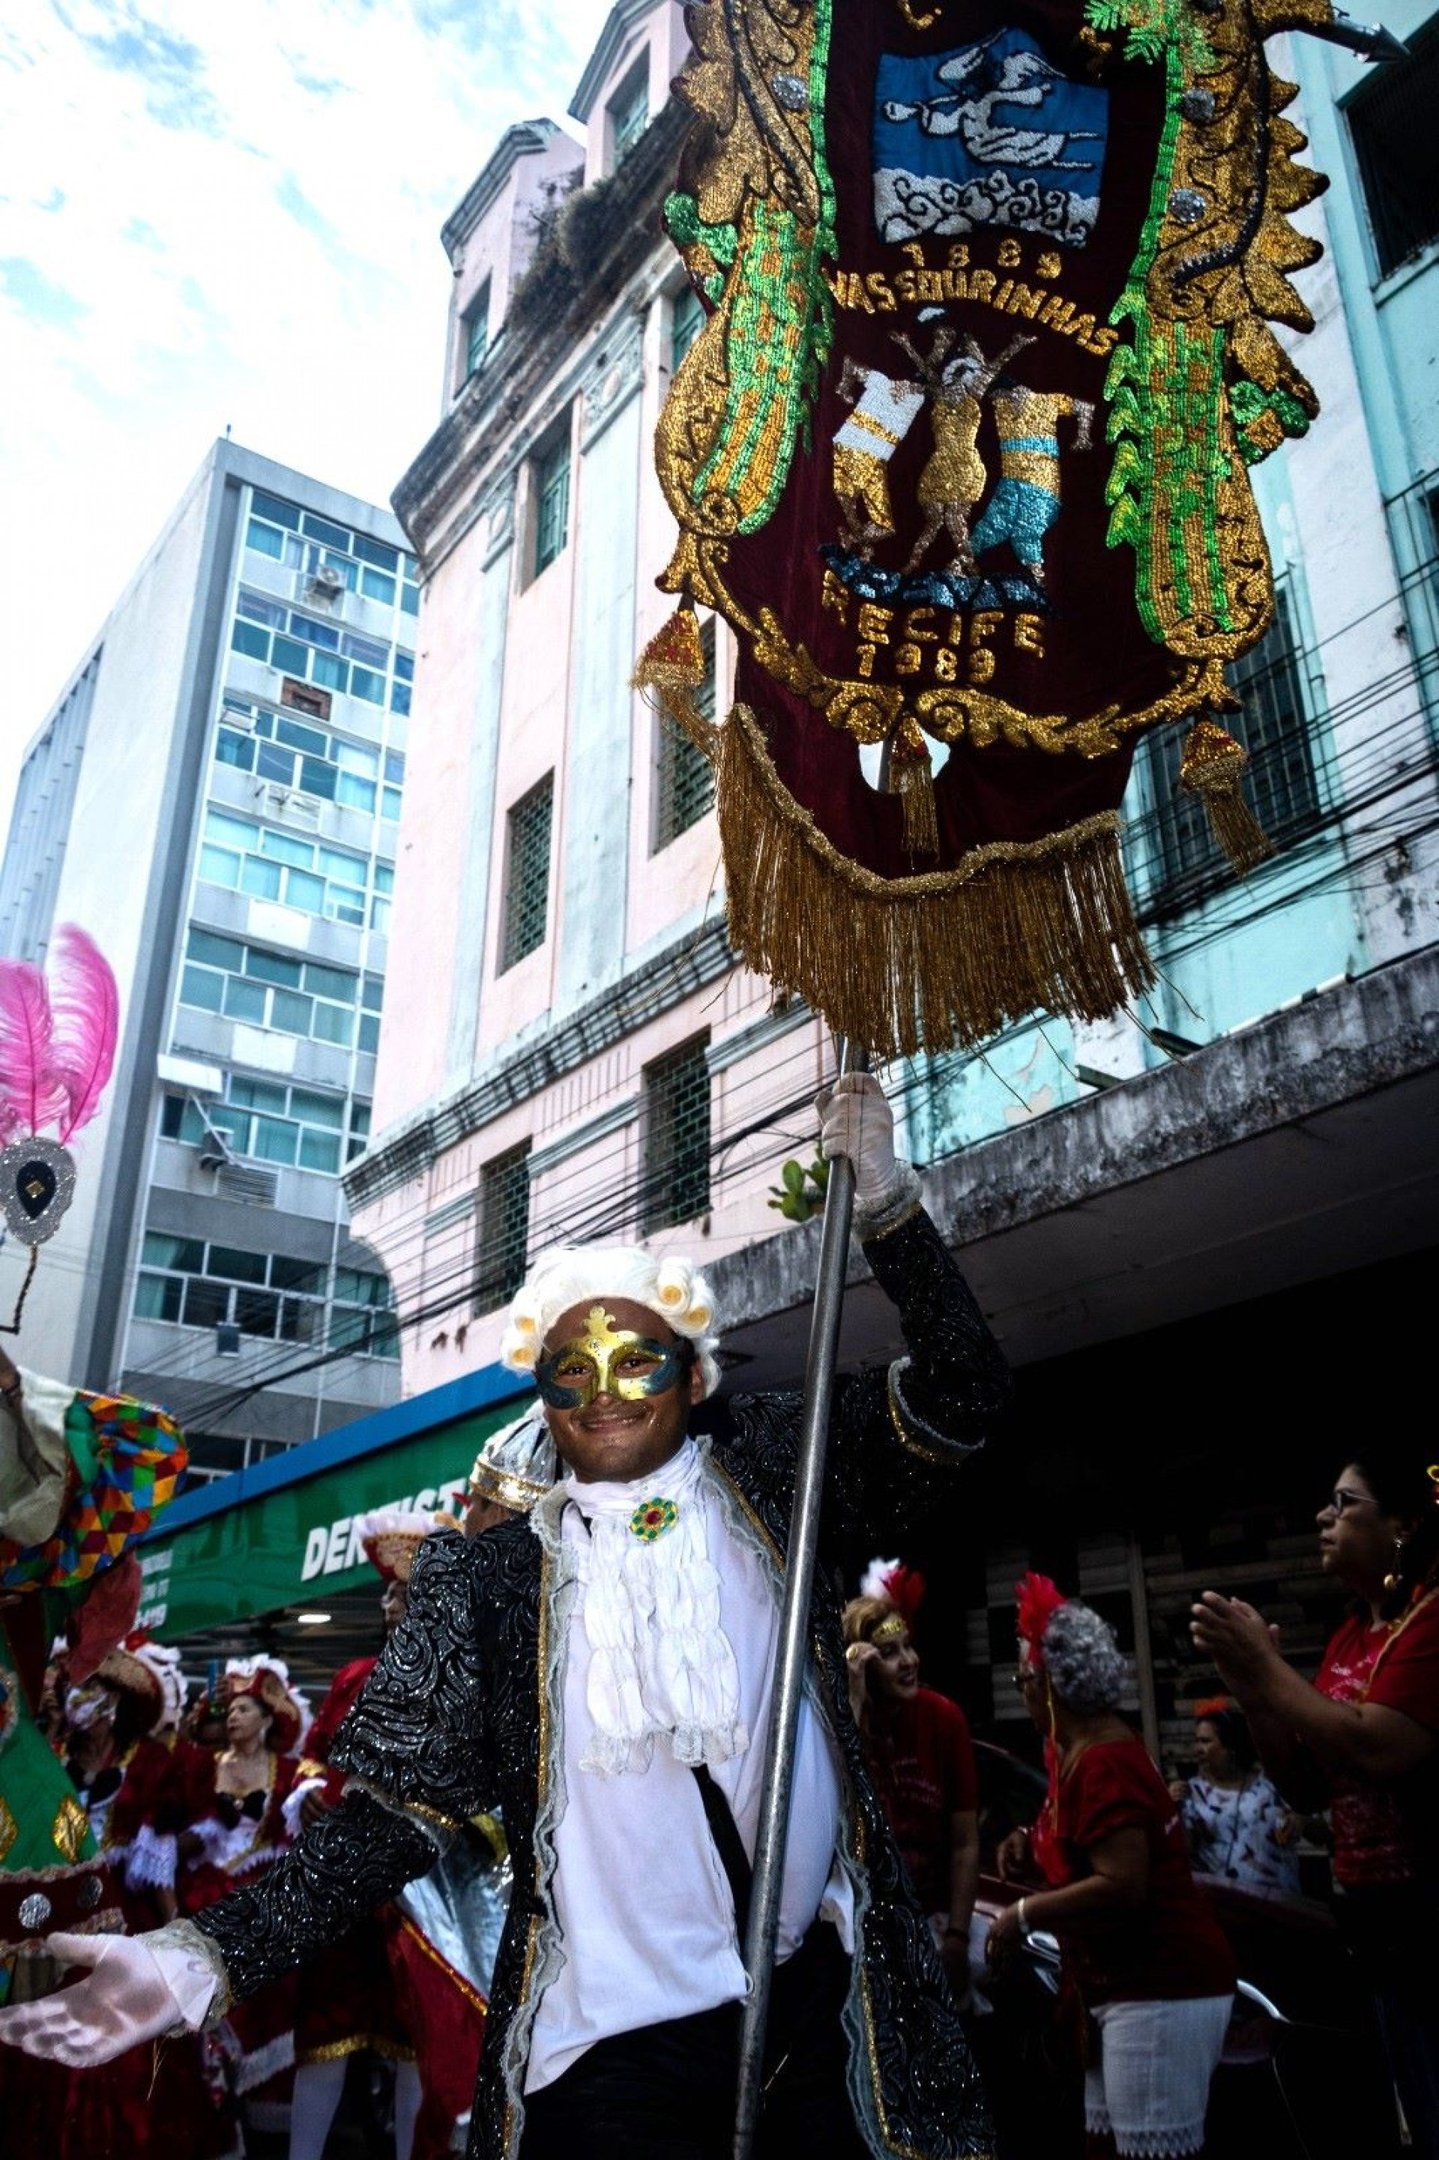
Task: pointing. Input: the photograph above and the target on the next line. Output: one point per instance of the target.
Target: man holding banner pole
(606, 1672)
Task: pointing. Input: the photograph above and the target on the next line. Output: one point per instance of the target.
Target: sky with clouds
(225, 213)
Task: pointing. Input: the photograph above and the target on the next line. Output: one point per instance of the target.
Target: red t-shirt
(1386, 1833)
(923, 1769)
(1171, 1948)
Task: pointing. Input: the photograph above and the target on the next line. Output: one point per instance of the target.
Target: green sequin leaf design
(780, 329)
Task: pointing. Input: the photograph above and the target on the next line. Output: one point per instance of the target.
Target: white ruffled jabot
(660, 1661)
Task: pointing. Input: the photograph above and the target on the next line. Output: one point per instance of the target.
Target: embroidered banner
(962, 453)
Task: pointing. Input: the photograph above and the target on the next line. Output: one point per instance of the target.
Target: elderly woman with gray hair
(1141, 1948)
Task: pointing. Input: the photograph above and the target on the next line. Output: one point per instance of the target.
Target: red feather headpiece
(1039, 1601)
(903, 1586)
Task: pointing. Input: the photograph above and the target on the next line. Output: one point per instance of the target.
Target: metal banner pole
(794, 1628)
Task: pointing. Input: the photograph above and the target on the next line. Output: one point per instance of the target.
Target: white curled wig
(588, 1274)
(1086, 1667)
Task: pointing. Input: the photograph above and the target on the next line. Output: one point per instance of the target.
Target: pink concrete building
(568, 1048)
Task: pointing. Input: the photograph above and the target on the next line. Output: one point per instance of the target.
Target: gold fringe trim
(670, 670)
(943, 958)
(1213, 768)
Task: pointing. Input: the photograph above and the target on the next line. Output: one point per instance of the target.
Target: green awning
(285, 1547)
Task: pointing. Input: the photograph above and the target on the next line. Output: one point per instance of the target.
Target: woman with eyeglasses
(1363, 1739)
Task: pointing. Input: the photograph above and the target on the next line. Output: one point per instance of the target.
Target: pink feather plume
(86, 1007)
(29, 1095)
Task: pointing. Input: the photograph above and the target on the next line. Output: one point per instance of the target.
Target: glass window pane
(272, 967)
(330, 982)
(160, 1249)
(327, 1110)
(279, 513)
(353, 792)
(206, 1303)
(375, 551)
(274, 1140)
(390, 805)
(356, 757)
(311, 740)
(333, 673)
(230, 831)
(264, 539)
(281, 847)
(219, 867)
(366, 649)
(289, 1274)
(384, 1336)
(290, 1012)
(376, 586)
(299, 1320)
(264, 722)
(254, 607)
(172, 1116)
(318, 778)
(367, 685)
(235, 1264)
(400, 697)
(380, 917)
(369, 1033)
(343, 868)
(157, 1297)
(249, 638)
(201, 989)
(244, 1000)
(304, 891)
(373, 995)
(256, 1094)
(404, 664)
(272, 763)
(256, 1311)
(410, 599)
(320, 1151)
(260, 879)
(221, 952)
(289, 654)
(233, 749)
(315, 633)
(321, 529)
(348, 1329)
(333, 1024)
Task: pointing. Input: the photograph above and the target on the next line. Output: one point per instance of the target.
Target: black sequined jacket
(462, 1713)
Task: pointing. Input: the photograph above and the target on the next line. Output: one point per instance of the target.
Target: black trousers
(667, 2092)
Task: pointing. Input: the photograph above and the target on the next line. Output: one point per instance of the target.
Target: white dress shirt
(646, 1915)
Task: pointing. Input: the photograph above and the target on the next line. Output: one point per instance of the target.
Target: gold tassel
(936, 959)
(911, 778)
(1213, 768)
(671, 668)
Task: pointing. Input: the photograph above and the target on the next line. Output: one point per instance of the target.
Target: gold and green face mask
(606, 1360)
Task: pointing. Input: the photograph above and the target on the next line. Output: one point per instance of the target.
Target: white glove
(856, 1121)
(140, 1988)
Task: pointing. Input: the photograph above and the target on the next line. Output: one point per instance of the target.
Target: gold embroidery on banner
(67, 1832)
(9, 1829)
(870, 711)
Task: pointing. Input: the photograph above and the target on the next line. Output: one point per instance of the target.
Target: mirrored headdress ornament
(516, 1466)
(57, 1049)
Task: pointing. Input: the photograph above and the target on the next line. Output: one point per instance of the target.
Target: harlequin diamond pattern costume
(518, 1658)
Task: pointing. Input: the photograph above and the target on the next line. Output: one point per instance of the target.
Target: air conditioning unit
(214, 1155)
(324, 584)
